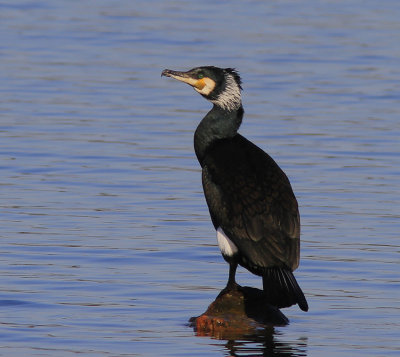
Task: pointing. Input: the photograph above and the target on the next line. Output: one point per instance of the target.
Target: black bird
(250, 199)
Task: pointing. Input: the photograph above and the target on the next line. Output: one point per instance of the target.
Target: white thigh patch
(226, 246)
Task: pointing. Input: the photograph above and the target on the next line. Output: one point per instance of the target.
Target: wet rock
(237, 312)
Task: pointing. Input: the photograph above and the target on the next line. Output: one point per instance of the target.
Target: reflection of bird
(251, 202)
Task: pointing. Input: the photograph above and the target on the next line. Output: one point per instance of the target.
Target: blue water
(107, 248)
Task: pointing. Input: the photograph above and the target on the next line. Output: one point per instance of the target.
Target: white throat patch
(230, 98)
(226, 246)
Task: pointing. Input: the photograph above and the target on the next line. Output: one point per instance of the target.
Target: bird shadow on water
(265, 343)
(243, 318)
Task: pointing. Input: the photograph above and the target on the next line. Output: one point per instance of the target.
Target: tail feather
(282, 290)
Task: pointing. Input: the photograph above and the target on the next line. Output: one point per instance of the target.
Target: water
(106, 244)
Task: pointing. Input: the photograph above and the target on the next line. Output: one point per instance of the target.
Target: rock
(237, 312)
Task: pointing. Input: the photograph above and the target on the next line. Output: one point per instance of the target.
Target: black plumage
(250, 199)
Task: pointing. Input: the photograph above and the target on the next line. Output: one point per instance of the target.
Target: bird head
(221, 86)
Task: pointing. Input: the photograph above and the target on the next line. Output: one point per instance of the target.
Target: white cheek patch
(206, 86)
(226, 246)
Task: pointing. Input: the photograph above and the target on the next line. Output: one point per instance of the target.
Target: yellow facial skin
(204, 86)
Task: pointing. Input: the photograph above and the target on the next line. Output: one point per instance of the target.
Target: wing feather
(251, 198)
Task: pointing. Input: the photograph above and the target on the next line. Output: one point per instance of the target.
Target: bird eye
(200, 76)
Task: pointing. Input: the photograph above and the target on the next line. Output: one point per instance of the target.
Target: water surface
(107, 248)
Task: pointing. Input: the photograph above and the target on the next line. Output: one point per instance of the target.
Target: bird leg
(232, 272)
(232, 285)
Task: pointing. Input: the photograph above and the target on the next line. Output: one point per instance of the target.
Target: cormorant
(250, 199)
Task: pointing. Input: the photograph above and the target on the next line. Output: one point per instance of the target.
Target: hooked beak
(181, 76)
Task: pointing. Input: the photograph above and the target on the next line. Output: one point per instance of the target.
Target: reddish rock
(236, 313)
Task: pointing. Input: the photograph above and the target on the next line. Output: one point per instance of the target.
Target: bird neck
(218, 124)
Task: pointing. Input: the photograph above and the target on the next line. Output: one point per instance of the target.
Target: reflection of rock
(237, 313)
